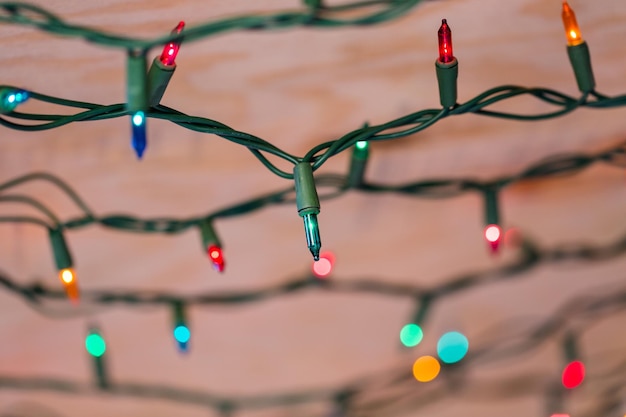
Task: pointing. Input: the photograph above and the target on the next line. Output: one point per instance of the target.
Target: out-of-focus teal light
(452, 347)
(182, 334)
(411, 335)
(362, 144)
(95, 345)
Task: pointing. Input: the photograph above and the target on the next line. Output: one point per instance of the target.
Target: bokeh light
(426, 368)
(492, 233)
(411, 335)
(95, 345)
(324, 266)
(573, 374)
(182, 334)
(452, 347)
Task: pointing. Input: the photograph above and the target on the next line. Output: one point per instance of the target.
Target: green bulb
(95, 345)
(362, 145)
(411, 335)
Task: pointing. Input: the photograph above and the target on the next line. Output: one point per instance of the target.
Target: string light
(64, 264)
(493, 232)
(578, 51)
(96, 347)
(447, 67)
(572, 31)
(137, 96)
(358, 164)
(163, 67)
(308, 205)
(212, 245)
(170, 51)
(574, 372)
(181, 331)
(10, 98)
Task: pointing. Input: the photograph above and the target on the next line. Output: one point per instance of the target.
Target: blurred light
(573, 374)
(324, 266)
(452, 347)
(492, 233)
(217, 257)
(182, 334)
(362, 145)
(426, 368)
(95, 345)
(411, 335)
(560, 415)
(66, 275)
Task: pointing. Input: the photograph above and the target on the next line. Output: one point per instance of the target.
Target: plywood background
(297, 88)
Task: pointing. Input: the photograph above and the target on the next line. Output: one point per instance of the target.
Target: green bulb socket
(159, 77)
(180, 318)
(358, 164)
(60, 250)
(581, 63)
(209, 236)
(570, 347)
(447, 74)
(308, 204)
(307, 200)
(424, 307)
(136, 82)
(491, 206)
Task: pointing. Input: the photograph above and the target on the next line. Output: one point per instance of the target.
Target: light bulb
(572, 31)
(170, 51)
(573, 374)
(217, 257)
(312, 232)
(445, 43)
(493, 235)
(10, 98)
(139, 133)
(95, 344)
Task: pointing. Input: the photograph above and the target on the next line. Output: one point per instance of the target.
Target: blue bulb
(452, 347)
(139, 133)
(182, 334)
(11, 98)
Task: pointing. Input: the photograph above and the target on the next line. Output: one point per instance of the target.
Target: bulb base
(447, 74)
(580, 59)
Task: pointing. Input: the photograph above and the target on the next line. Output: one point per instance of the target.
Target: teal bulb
(452, 347)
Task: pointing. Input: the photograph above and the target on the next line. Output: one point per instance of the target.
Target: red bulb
(493, 235)
(445, 43)
(573, 374)
(216, 256)
(168, 56)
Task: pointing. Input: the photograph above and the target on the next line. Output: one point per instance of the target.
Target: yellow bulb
(572, 31)
(426, 368)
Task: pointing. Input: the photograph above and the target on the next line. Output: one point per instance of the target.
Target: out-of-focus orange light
(426, 369)
(68, 279)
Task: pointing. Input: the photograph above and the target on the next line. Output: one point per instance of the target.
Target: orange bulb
(572, 31)
(68, 279)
